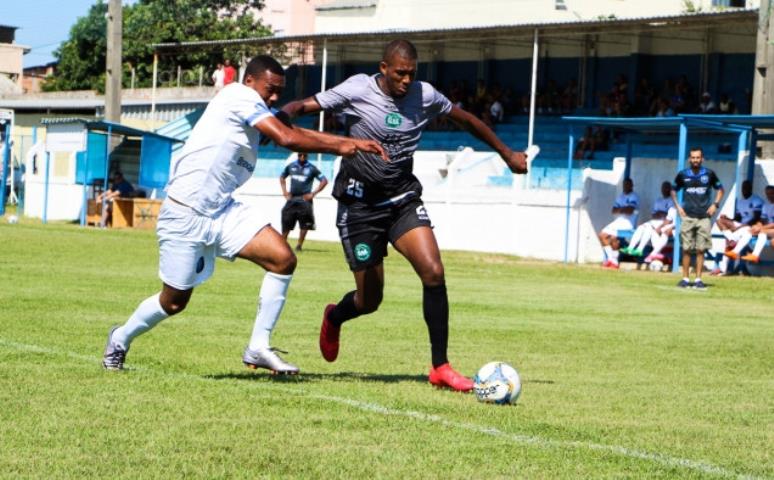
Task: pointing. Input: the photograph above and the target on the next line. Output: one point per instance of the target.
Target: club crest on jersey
(362, 252)
(393, 120)
(704, 179)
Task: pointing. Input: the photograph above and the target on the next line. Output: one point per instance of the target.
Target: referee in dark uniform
(299, 207)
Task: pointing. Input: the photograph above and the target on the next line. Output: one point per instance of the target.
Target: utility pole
(763, 83)
(113, 67)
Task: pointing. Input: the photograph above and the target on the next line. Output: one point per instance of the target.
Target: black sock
(435, 305)
(345, 310)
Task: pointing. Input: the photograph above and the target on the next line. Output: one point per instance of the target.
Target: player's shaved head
(402, 48)
(261, 63)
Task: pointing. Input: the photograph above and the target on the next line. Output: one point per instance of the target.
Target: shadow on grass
(339, 376)
(317, 377)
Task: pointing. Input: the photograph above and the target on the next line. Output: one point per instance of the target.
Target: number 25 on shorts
(355, 188)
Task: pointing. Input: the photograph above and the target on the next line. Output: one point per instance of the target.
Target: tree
(82, 56)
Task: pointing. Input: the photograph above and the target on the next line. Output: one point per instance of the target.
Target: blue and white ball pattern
(497, 382)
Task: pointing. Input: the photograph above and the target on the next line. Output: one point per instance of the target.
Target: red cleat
(446, 376)
(329, 336)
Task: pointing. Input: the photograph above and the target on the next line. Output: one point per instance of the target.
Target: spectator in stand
(508, 101)
(218, 77)
(496, 110)
(726, 106)
(587, 143)
(706, 105)
(763, 230)
(643, 97)
(625, 217)
(664, 109)
(229, 73)
(569, 99)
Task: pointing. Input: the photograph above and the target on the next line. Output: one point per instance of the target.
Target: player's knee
(433, 275)
(174, 306)
(286, 265)
(370, 303)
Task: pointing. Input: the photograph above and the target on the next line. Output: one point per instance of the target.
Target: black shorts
(299, 211)
(365, 229)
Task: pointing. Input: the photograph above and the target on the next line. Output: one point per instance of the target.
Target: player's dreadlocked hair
(259, 64)
(404, 48)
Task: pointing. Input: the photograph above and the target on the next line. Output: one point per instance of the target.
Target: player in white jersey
(625, 210)
(645, 231)
(200, 220)
(737, 229)
(763, 230)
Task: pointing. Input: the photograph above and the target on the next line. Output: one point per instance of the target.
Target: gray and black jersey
(302, 177)
(396, 123)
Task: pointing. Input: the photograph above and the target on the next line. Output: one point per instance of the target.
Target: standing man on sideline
(381, 202)
(697, 209)
(299, 207)
(229, 72)
(200, 219)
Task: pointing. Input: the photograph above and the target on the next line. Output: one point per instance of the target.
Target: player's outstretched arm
(306, 106)
(516, 161)
(302, 140)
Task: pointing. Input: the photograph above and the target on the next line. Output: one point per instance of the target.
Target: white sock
(729, 235)
(659, 242)
(270, 303)
(148, 314)
(744, 239)
(723, 265)
(614, 256)
(637, 236)
(608, 252)
(647, 234)
(760, 244)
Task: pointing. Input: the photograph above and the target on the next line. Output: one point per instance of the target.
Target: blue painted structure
(745, 127)
(94, 162)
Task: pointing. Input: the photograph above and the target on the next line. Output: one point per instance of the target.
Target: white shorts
(189, 241)
(620, 223)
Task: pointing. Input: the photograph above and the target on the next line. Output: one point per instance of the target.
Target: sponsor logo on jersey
(362, 252)
(393, 120)
(245, 164)
(696, 190)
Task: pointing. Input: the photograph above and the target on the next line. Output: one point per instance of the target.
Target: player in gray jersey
(379, 202)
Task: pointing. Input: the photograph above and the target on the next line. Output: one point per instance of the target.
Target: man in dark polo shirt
(299, 207)
(695, 212)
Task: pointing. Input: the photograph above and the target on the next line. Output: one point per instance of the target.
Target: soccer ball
(13, 219)
(497, 382)
(656, 266)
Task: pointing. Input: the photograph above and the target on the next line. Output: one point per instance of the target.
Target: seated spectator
(625, 212)
(646, 230)
(706, 105)
(569, 99)
(496, 110)
(643, 97)
(120, 188)
(726, 106)
(748, 213)
(664, 109)
(593, 140)
(763, 230)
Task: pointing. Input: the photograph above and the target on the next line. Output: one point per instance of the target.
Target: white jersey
(221, 152)
(628, 200)
(662, 205)
(767, 215)
(748, 207)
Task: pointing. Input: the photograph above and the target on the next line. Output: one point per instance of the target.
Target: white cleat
(267, 358)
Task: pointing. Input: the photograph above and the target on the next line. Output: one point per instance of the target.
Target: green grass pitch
(624, 375)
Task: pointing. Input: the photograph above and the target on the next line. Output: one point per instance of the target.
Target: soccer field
(624, 375)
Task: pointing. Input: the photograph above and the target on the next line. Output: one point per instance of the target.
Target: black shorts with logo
(365, 229)
(298, 210)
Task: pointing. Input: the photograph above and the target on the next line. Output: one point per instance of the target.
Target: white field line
(370, 407)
